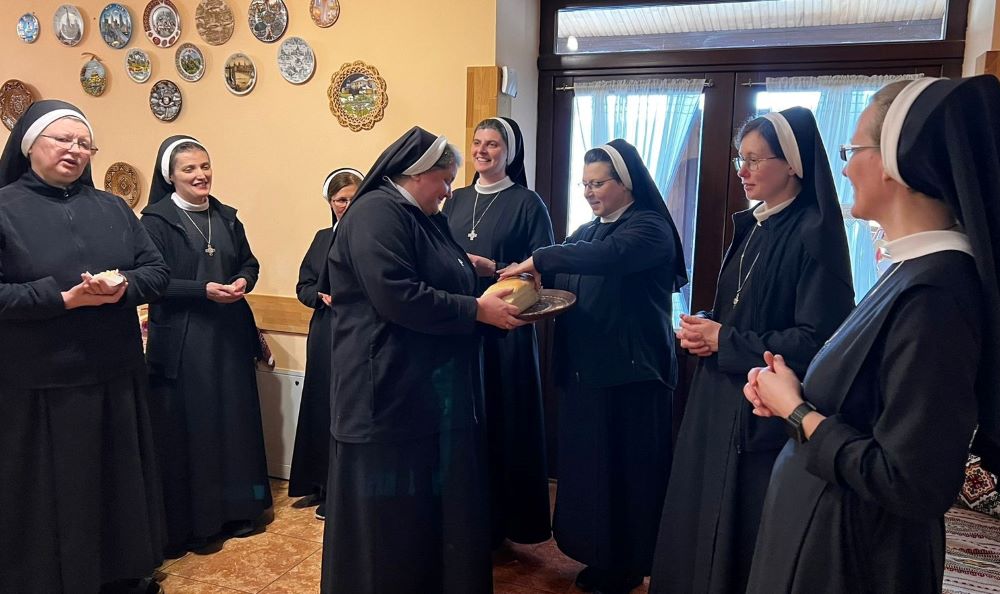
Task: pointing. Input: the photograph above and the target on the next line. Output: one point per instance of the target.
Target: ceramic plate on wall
(94, 78)
(324, 12)
(68, 25)
(137, 65)
(123, 181)
(357, 96)
(296, 60)
(15, 99)
(162, 23)
(268, 19)
(190, 62)
(165, 101)
(27, 27)
(214, 21)
(240, 73)
(116, 25)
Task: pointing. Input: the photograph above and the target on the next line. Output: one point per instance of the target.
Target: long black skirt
(311, 454)
(209, 439)
(408, 517)
(614, 462)
(80, 500)
(519, 482)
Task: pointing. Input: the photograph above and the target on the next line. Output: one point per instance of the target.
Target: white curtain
(842, 98)
(660, 117)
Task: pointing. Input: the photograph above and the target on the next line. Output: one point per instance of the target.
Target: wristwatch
(794, 420)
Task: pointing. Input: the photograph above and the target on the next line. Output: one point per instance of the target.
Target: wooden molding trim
(989, 63)
(279, 313)
(482, 101)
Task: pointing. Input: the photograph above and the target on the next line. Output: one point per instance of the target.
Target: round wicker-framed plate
(15, 99)
(162, 23)
(551, 302)
(122, 180)
(215, 21)
(165, 100)
(358, 96)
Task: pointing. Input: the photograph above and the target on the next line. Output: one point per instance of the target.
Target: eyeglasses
(341, 201)
(67, 143)
(596, 184)
(847, 149)
(752, 163)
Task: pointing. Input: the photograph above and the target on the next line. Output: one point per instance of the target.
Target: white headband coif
(511, 139)
(429, 158)
(620, 168)
(329, 178)
(165, 159)
(892, 126)
(39, 126)
(786, 138)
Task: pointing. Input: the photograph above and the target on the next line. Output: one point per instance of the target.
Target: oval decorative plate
(241, 74)
(551, 302)
(15, 99)
(27, 27)
(68, 25)
(165, 101)
(137, 65)
(116, 25)
(357, 96)
(324, 12)
(296, 60)
(123, 181)
(214, 21)
(190, 62)
(268, 19)
(94, 77)
(162, 23)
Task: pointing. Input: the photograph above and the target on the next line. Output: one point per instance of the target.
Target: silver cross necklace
(741, 280)
(472, 235)
(208, 240)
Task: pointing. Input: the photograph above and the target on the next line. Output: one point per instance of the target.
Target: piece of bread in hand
(524, 295)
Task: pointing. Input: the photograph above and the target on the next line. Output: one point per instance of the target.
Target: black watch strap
(794, 421)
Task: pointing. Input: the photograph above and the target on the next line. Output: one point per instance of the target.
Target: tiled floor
(286, 557)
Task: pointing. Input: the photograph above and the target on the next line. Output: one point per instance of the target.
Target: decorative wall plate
(296, 60)
(268, 19)
(27, 27)
(214, 21)
(241, 74)
(165, 101)
(123, 181)
(190, 62)
(357, 96)
(324, 12)
(15, 99)
(137, 65)
(94, 77)
(116, 25)
(68, 25)
(162, 23)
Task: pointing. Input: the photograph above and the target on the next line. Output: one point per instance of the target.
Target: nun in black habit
(311, 454)
(80, 509)
(614, 357)
(497, 221)
(785, 285)
(201, 347)
(883, 419)
(407, 495)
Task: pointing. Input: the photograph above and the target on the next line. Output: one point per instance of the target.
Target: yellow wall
(271, 149)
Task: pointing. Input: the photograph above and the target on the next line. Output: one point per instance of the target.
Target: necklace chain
(472, 235)
(208, 240)
(741, 280)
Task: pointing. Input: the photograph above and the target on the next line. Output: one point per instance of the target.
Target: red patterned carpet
(972, 561)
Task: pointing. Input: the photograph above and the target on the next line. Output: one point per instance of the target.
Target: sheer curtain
(662, 119)
(842, 98)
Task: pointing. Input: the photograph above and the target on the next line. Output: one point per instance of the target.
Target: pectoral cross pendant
(472, 235)
(736, 299)
(210, 250)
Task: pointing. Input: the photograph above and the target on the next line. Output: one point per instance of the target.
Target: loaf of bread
(524, 295)
(112, 277)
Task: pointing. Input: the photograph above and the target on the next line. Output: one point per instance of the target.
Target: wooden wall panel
(278, 313)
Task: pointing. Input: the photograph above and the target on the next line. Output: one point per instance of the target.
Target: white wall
(982, 33)
(517, 47)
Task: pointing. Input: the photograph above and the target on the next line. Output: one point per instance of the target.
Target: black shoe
(240, 529)
(589, 579)
(142, 586)
(617, 583)
(321, 511)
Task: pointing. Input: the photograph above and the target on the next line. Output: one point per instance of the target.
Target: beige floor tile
(173, 584)
(297, 523)
(247, 564)
(279, 493)
(304, 578)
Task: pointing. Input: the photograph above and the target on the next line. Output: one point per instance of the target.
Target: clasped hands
(699, 336)
(93, 291)
(231, 293)
(773, 390)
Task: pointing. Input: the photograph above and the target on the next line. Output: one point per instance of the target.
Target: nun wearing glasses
(310, 457)
(615, 362)
(785, 285)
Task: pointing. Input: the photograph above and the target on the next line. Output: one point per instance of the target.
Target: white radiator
(280, 394)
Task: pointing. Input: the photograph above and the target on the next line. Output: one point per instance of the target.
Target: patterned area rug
(972, 559)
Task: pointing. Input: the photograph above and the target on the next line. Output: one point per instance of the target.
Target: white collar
(611, 218)
(927, 242)
(185, 205)
(409, 197)
(762, 212)
(494, 187)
